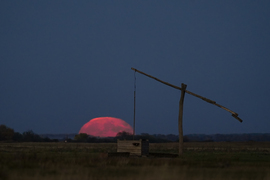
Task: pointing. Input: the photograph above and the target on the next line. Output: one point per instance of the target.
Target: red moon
(105, 127)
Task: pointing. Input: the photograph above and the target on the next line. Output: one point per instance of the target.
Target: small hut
(134, 147)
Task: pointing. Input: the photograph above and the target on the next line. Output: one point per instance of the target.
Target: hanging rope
(134, 104)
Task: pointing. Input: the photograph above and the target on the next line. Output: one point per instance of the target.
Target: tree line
(161, 138)
(9, 135)
(83, 137)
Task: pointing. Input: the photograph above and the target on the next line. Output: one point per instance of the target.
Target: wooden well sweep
(181, 104)
(134, 147)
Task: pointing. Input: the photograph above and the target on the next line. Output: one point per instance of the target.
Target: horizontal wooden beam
(168, 84)
(234, 114)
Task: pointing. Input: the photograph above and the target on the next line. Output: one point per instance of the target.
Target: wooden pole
(134, 113)
(180, 118)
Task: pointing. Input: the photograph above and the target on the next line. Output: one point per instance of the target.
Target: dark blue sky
(63, 63)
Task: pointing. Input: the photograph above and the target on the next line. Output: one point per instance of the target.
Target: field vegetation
(68, 161)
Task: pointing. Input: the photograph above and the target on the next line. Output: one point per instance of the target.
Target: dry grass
(90, 161)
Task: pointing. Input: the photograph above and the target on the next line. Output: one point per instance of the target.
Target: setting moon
(105, 127)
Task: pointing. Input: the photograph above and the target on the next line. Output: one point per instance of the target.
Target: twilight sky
(65, 62)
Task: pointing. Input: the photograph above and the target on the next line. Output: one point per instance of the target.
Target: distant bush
(124, 135)
(30, 136)
(82, 137)
(18, 137)
(6, 133)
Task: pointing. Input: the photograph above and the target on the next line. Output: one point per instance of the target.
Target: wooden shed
(134, 147)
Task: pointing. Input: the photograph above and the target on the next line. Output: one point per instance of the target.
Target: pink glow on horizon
(105, 127)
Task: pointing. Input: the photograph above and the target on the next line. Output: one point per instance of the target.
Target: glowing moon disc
(105, 127)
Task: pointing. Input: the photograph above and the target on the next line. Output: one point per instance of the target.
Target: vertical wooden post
(134, 114)
(180, 118)
(134, 104)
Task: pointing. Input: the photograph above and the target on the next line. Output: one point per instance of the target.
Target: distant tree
(6, 133)
(46, 139)
(124, 135)
(145, 134)
(172, 137)
(30, 136)
(82, 137)
(17, 137)
(92, 139)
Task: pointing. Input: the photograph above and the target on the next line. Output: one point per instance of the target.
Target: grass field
(206, 160)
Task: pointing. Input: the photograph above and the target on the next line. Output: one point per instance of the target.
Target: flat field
(68, 161)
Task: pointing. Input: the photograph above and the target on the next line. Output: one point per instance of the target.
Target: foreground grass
(90, 161)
